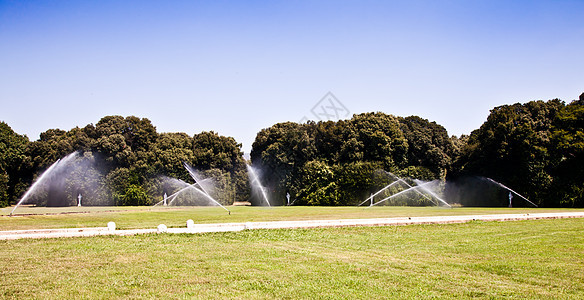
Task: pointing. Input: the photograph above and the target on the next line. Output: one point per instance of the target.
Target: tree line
(122, 161)
(335, 163)
(536, 148)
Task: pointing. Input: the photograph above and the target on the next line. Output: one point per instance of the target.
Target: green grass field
(148, 217)
(522, 259)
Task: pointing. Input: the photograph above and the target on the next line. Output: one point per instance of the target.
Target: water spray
(174, 195)
(422, 186)
(256, 180)
(510, 190)
(381, 190)
(194, 176)
(44, 177)
(409, 188)
(202, 189)
(422, 194)
(402, 192)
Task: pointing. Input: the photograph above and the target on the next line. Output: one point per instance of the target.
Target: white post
(79, 197)
(162, 228)
(190, 224)
(111, 226)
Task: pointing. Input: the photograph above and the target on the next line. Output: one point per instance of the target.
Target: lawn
(149, 217)
(522, 259)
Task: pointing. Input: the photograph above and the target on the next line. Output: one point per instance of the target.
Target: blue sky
(236, 67)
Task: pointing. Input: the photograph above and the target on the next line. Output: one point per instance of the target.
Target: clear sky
(236, 67)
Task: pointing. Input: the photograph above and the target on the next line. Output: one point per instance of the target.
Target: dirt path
(222, 227)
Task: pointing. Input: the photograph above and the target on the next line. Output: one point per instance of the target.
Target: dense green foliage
(121, 161)
(12, 157)
(334, 163)
(537, 148)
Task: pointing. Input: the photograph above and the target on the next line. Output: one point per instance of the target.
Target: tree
(348, 152)
(381, 138)
(512, 147)
(317, 185)
(12, 160)
(429, 146)
(568, 155)
(171, 150)
(135, 195)
(356, 181)
(280, 152)
(121, 159)
(222, 157)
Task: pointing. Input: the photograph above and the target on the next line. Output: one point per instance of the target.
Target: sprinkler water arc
(194, 176)
(256, 180)
(381, 190)
(436, 201)
(397, 194)
(175, 194)
(431, 192)
(409, 186)
(202, 190)
(44, 177)
(510, 190)
(208, 197)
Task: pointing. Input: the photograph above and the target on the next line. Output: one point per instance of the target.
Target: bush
(135, 195)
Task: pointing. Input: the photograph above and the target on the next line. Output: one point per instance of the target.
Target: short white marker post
(111, 226)
(162, 228)
(190, 224)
